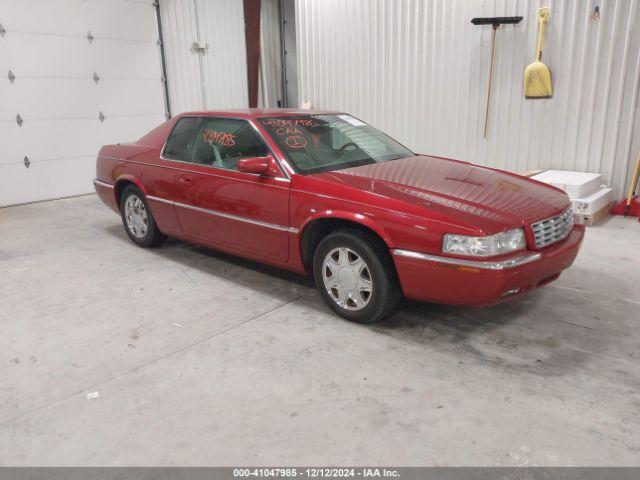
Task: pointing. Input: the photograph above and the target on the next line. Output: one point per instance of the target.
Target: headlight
(498, 244)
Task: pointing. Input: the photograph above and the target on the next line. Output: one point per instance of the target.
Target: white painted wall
(47, 49)
(216, 77)
(418, 70)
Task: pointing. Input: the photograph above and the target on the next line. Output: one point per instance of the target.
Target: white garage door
(74, 75)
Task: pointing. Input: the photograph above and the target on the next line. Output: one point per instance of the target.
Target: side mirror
(257, 165)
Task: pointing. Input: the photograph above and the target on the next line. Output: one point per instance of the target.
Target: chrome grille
(552, 230)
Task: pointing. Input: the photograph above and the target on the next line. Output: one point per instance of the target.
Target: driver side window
(222, 142)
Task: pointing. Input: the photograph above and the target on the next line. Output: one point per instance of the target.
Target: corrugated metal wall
(272, 37)
(183, 67)
(418, 70)
(217, 76)
(291, 55)
(270, 91)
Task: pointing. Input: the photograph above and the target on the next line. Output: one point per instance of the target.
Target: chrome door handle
(185, 180)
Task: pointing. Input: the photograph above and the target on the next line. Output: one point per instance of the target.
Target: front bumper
(437, 279)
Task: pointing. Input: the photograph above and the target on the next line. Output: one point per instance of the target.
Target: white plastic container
(591, 203)
(576, 184)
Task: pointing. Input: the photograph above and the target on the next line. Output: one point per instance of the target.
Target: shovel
(537, 77)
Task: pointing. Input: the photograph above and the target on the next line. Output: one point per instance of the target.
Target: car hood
(489, 199)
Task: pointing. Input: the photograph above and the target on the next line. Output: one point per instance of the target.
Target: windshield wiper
(394, 157)
(340, 166)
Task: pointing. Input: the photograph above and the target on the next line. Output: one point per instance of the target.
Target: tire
(140, 226)
(343, 281)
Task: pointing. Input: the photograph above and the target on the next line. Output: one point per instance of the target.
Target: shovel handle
(634, 182)
(543, 17)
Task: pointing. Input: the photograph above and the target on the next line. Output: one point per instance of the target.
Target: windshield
(319, 143)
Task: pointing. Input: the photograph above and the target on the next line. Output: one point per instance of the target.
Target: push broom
(495, 22)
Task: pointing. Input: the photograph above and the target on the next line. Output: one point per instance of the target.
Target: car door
(220, 206)
(159, 177)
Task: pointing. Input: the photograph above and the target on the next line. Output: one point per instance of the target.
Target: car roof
(257, 112)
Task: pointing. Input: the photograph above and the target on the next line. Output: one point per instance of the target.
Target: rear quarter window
(180, 141)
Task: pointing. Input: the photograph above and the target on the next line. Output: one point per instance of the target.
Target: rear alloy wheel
(135, 214)
(355, 275)
(137, 219)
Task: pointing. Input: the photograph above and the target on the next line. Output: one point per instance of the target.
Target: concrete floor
(204, 359)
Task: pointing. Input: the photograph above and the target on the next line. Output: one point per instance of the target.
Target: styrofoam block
(575, 184)
(592, 202)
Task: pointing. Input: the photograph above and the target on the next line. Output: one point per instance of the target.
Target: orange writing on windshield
(289, 131)
(296, 141)
(305, 122)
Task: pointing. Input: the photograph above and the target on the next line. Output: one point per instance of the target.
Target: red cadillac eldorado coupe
(324, 193)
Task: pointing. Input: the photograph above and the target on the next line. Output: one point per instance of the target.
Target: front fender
(351, 217)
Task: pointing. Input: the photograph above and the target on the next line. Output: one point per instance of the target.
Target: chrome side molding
(160, 200)
(497, 265)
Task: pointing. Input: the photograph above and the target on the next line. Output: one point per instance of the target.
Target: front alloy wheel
(347, 279)
(355, 275)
